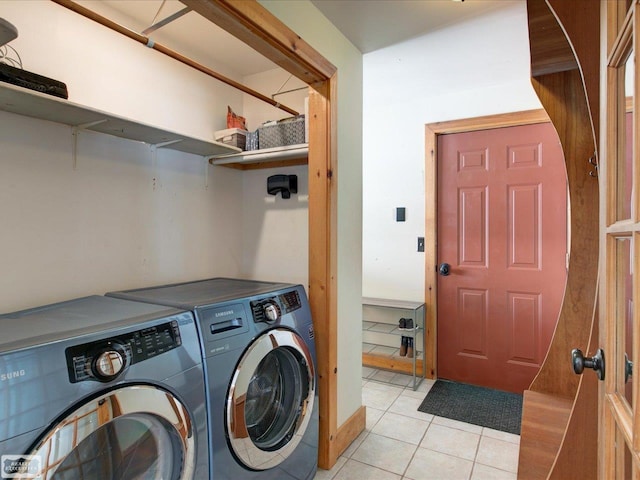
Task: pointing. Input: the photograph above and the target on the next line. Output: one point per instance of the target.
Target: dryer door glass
(274, 395)
(271, 399)
(135, 432)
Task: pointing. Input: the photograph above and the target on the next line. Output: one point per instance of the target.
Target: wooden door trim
(618, 420)
(432, 130)
(260, 29)
(257, 27)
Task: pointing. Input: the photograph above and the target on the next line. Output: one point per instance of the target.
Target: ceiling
(374, 24)
(368, 24)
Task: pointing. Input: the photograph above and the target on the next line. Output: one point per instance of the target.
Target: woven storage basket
(236, 137)
(286, 132)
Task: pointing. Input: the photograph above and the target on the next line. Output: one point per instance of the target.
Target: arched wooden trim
(551, 412)
(432, 130)
(261, 30)
(560, 408)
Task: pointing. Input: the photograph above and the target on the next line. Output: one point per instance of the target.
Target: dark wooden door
(502, 228)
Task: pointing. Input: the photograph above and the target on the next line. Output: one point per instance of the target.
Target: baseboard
(349, 430)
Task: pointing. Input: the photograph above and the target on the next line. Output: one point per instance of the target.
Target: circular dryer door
(133, 432)
(270, 399)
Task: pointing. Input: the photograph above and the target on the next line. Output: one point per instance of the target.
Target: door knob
(580, 362)
(628, 368)
(444, 269)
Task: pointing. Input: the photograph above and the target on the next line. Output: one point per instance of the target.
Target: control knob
(271, 311)
(108, 364)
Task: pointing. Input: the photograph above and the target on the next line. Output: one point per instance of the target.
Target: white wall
(118, 220)
(114, 222)
(276, 230)
(475, 68)
(307, 21)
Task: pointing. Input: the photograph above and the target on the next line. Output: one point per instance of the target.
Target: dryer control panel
(104, 360)
(270, 309)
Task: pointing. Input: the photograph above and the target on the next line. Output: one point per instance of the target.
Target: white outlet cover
(7, 32)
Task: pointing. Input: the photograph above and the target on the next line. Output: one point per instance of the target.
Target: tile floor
(400, 442)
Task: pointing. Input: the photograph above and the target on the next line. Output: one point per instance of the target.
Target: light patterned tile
(482, 472)
(386, 387)
(383, 350)
(382, 376)
(354, 470)
(431, 465)
(380, 398)
(382, 327)
(425, 386)
(420, 392)
(467, 427)
(368, 371)
(386, 453)
(402, 428)
(330, 474)
(498, 435)
(367, 347)
(451, 441)
(408, 406)
(447, 448)
(401, 380)
(373, 415)
(408, 392)
(498, 454)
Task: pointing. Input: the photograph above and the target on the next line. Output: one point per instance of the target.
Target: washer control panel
(105, 359)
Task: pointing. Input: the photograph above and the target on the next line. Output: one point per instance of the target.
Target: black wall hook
(285, 184)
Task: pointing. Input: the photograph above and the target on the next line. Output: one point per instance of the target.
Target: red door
(502, 228)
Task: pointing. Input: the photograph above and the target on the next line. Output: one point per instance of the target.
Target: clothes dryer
(257, 340)
(102, 388)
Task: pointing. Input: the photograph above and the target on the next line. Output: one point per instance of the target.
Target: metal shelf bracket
(75, 131)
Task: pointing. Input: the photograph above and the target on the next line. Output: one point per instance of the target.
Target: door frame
(618, 427)
(432, 130)
(253, 24)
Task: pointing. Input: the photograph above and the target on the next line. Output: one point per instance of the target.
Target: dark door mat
(476, 405)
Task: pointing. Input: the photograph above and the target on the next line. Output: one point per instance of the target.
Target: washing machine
(102, 388)
(259, 354)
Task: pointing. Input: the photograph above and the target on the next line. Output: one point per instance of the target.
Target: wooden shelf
(265, 158)
(34, 104)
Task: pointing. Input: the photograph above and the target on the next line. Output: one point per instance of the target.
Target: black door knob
(580, 362)
(628, 368)
(444, 269)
